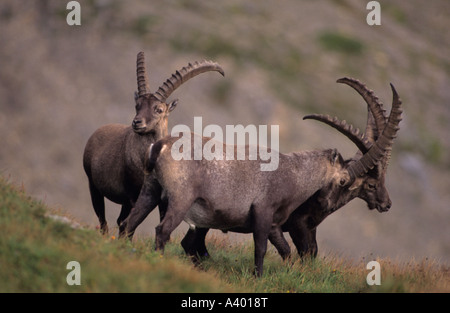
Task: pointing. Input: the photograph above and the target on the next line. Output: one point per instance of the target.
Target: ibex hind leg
(98, 202)
(124, 212)
(163, 207)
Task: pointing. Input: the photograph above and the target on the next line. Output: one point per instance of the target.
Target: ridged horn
(374, 127)
(347, 130)
(141, 73)
(371, 132)
(183, 75)
(381, 149)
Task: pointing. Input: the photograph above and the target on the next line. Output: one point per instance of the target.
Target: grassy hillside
(35, 250)
(36, 243)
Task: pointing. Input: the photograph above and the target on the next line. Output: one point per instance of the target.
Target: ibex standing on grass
(368, 183)
(114, 155)
(235, 195)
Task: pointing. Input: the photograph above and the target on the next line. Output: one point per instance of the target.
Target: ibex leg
(98, 202)
(176, 211)
(149, 198)
(262, 228)
(276, 237)
(124, 212)
(194, 244)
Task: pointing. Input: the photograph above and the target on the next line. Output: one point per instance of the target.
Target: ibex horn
(347, 130)
(381, 148)
(142, 80)
(183, 75)
(371, 132)
(374, 104)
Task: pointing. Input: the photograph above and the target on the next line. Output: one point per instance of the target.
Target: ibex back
(233, 194)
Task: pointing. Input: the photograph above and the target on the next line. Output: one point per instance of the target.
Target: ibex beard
(213, 148)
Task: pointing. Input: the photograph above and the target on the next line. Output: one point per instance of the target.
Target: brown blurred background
(59, 83)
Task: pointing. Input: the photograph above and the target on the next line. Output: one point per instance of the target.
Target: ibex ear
(335, 157)
(136, 96)
(172, 105)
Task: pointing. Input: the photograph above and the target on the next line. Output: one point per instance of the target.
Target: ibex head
(367, 169)
(151, 108)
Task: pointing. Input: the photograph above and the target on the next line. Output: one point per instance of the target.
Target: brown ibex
(114, 155)
(235, 195)
(368, 185)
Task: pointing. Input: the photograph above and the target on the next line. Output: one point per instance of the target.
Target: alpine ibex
(114, 155)
(368, 185)
(235, 195)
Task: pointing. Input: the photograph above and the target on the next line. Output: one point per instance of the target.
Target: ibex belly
(201, 214)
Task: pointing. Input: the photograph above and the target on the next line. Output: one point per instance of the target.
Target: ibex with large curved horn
(369, 181)
(114, 155)
(368, 176)
(235, 195)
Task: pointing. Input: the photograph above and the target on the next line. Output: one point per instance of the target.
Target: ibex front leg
(262, 228)
(149, 198)
(194, 244)
(277, 239)
(176, 211)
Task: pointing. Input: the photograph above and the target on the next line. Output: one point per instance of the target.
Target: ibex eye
(342, 182)
(372, 186)
(158, 110)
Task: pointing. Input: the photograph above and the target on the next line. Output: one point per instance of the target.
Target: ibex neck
(311, 168)
(161, 129)
(141, 142)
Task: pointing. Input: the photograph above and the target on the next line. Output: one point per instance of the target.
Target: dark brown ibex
(114, 155)
(237, 196)
(368, 185)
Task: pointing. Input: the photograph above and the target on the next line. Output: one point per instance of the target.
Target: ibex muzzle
(151, 114)
(374, 192)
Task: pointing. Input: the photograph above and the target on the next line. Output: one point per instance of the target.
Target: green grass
(35, 250)
(235, 266)
(334, 41)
